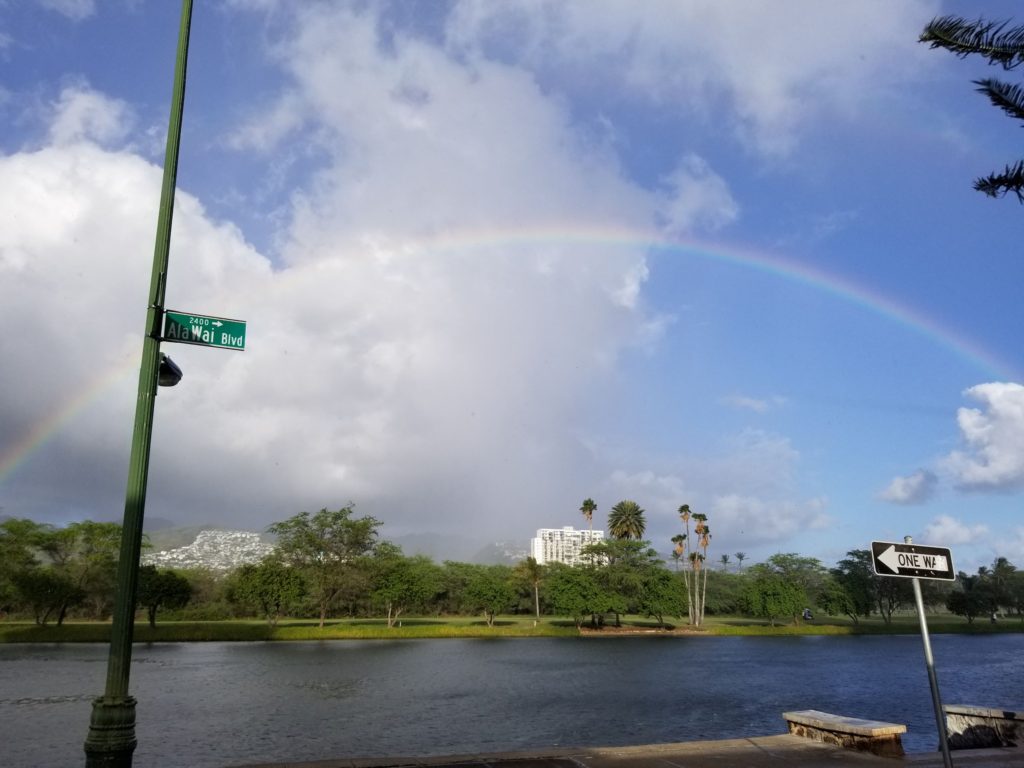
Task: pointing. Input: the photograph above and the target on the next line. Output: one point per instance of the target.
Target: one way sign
(912, 561)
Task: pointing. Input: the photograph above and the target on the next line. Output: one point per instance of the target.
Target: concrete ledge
(872, 736)
(980, 727)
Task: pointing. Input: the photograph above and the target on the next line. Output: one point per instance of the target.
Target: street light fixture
(170, 374)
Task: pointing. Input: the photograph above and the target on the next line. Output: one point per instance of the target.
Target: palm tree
(724, 560)
(1000, 45)
(678, 549)
(533, 573)
(626, 520)
(740, 557)
(702, 530)
(681, 546)
(588, 507)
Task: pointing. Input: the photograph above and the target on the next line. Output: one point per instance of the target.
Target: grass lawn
(504, 626)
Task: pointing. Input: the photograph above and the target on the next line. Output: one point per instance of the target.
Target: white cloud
(993, 457)
(1011, 547)
(83, 114)
(758, 405)
(773, 67)
(951, 532)
(912, 489)
(759, 520)
(748, 491)
(423, 345)
(697, 198)
(75, 10)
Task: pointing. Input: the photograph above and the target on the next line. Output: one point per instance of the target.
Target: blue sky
(499, 257)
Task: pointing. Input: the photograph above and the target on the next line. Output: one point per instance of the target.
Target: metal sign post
(914, 562)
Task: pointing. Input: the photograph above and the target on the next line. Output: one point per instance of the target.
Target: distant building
(562, 545)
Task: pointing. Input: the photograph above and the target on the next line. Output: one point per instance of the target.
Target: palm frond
(998, 184)
(991, 39)
(1009, 98)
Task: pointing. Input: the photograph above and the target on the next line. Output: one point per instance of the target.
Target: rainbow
(589, 238)
(774, 265)
(20, 451)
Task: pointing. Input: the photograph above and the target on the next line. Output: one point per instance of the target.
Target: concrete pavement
(756, 752)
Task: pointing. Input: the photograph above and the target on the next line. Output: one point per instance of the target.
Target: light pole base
(111, 740)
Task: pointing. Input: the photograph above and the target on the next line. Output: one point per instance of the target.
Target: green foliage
(724, 593)
(999, 44)
(327, 548)
(853, 588)
(806, 574)
(693, 551)
(530, 574)
(661, 595)
(770, 595)
(271, 586)
(588, 508)
(976, 596)
(574, 592)
(158, 589)
(46, 591)
(403, 583)
(490, 589)
(626, 521)
(625, 569)
(836, 600)
(87, 553)
(19, 542)
(454, 578)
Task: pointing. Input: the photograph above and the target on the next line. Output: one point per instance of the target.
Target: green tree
(455, 577)
(694, 552)
(588, 507)
(270, 586)
(626, 565)
(973, 598)
(740, 557)
(46, 591)
(573, 592)
(724, 593)
(626, 521)
(20, 540)
(490, 590)
(999, 44)
(1001, 574)
(531, 573)
(161, 589)
(327, 548)
(855, 577)
(403, 583)
(835, 600)
(1015, 592)
(806, 573)
(86, 553)
(769, 595)
(660, 595)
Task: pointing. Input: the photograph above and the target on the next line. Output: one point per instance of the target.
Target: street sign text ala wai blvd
(204, 330)
(913, 561)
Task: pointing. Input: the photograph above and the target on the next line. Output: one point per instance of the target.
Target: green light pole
(111, 740)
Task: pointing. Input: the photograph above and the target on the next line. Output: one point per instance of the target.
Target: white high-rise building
(562, 545)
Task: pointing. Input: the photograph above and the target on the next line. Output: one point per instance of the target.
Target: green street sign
(206, 331)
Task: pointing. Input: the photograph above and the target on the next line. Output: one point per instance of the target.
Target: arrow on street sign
(912, 561)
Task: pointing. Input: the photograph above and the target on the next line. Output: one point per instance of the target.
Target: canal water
(223, 704)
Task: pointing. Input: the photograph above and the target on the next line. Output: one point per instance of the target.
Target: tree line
(332, 564)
